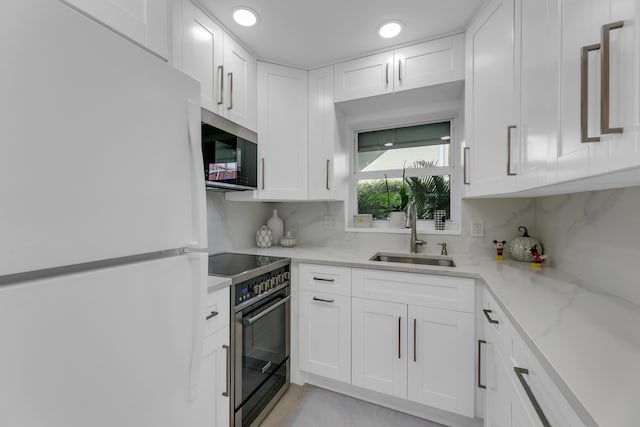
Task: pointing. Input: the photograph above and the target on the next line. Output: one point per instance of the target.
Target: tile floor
(310, 406)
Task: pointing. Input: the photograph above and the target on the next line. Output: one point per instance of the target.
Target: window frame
(454, 171)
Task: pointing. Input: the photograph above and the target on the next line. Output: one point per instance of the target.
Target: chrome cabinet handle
(386, 74)
(480, 385)
(212, 315)
(322, 300)
(465, 158)
(230, 75)
(322, 279)
(328, 161)
(262, 173)
(486, 314)
(509, 128)
(252, 320)
(226, 392)
(605, 125)
(399, 331)
(415, 326)
(400, 69)
(584, 94)
(520, 372)
(220, 84)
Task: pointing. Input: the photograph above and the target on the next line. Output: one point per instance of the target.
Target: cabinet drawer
(325, 278)
(448, 293)
(497, 327)
(552, 402)
(217, 302)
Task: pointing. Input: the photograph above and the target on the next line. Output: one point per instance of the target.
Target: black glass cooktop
(230, 264)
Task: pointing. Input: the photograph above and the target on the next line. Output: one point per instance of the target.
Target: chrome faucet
(414, 242)
(444, 249)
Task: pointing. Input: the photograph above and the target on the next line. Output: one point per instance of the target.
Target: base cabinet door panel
(379, 348)
(325, 335)
(441, 359)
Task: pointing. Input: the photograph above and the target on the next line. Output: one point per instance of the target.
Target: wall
(595, 237)
(322, 224)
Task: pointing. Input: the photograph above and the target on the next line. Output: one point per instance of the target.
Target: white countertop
(215, 283)
(588, 341)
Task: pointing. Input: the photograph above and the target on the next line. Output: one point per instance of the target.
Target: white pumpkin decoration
(519, 247)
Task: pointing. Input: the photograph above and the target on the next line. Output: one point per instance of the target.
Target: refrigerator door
(100, 144)
(109, 347)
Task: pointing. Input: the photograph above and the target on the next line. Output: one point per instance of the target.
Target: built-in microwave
(230, 154)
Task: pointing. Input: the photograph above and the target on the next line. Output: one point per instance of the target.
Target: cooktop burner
(238, 265)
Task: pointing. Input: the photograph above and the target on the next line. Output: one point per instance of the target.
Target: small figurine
(537, 258)
(499, 249)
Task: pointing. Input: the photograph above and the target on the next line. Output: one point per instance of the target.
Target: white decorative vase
(277, 227)
(264, 237)
(397, 219)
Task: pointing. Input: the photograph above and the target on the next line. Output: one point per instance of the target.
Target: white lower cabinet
(440, 359)
(325, 334)
(379, 346)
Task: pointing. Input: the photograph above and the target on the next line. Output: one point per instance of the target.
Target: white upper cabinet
(143, 21)
(282, 130)
(225, 70)
(239, 76)
(425, 64)
(492, 100)
(430, 63)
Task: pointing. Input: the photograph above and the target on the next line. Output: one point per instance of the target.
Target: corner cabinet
(282, 130)
(225, 70)
(425, 64)
(142, 21)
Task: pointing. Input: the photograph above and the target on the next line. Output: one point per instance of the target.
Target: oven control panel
(252, 288)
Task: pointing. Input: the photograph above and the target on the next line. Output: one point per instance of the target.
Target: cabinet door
(430, 63)
(539, 91)
(143, 21)
(240, 84)
(581, 22)
(211, 408)
(202, 55)
(363, 77)
(325, 335)
(499, 390)
(492, 99)
(323, 134)
(441, 359)
(379, 346)
(282, 126)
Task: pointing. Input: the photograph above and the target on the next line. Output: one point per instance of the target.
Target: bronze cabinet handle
(520, 372)
(228, 349)
(509, 129)
(399, 331)
(415, 327)
(465, 159)
(386, 74)
(220, 84)
(322, 300)
(230, 75)
(486, 314)
(605, 125)
(212, 315)
(584, 93)
(480, 385)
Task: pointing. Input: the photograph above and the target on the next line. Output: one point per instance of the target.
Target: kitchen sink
(414, 259)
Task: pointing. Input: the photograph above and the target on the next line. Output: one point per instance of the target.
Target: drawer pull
(399, 335)
(321, 279)
(480, 385)
(486, 314)
(212, 315)
(322, 300)
(228, 349)
(520, 372)
(605, 126)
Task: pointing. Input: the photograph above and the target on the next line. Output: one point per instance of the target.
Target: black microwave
(230, 154)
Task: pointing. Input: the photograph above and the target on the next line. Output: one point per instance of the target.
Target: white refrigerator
(103, 265)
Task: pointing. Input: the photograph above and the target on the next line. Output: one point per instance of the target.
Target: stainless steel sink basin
(414, 259)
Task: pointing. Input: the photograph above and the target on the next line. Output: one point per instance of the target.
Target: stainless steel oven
(260, 340)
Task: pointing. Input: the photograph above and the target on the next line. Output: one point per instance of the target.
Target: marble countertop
(588, 340)
(215, 283)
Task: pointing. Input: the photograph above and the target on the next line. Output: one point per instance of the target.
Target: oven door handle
(251, 320)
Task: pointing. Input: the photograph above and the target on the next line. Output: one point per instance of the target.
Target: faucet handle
(444, 248)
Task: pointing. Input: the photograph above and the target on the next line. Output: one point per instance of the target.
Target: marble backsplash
(594, 236)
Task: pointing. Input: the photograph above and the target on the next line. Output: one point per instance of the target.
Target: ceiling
(309, 34)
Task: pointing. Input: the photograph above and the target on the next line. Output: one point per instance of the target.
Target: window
(420, 153)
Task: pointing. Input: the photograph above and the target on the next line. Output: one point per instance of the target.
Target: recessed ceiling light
(445, 138)
(245, 16)
(388, 144)
(390, 29)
